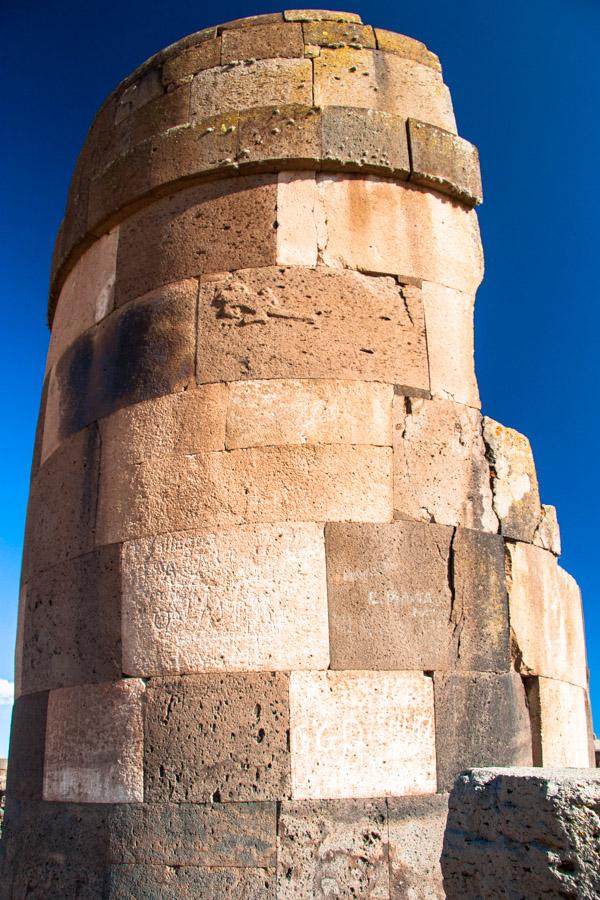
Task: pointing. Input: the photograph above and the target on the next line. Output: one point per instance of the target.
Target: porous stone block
(332, 848)
(480, 718)
(209, 146)
(289, 136)
(266, 82)
(450, 344)
(276, 40)
(141, 91)
(416, 834)
(523, 833)
(207, 228)
(444, 162)
(364, 139)
(40, 879)
(298, 201)
(120, 184)
(338, 34)
(547, 533)
(169, 111)
(24, 776)
(263, 484)
(94, 743)
(405, 46)
(361, 734)
(514, 480)
(72, 623)
(188, 882)
(217, 737)
(440, 470)
(320, 15)
(545, 615)
(384, 81)
(303, 323)
(559, 716)
(183, 65)
(251, 21)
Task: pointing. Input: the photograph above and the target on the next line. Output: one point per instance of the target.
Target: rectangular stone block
(209, 146)
(392, 42)
(217, 737)
(300, 323)
(416, 834)
(362, 139)
(298, 201)
(480, 719)
(188, 882)
(38, 879)
(339, 34)
(240, 599)
(72, 623)
(250, 21)
(183, 65)
(24, 776)
(444, 162)
(276, 40)
(289, 135)
(320, 15)
(559, 724)
(547, 533)
(361, 734)
(450, 343)
(440, 470)
(546, 616)
(122, 183)
(171, 110)
(514, 481)
(335, 848)
(94, 743)
(141, 91)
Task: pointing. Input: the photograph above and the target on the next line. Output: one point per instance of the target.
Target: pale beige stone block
(361, 734)
(300, 219)
(514, 480)
(241, 599)
(295, 411)
(547, 533)
(87, 295)
(450, 343)
(546, 616)
(94, 743)
(560, 712)
(440, 471)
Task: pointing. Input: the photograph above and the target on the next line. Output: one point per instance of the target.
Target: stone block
(338, 34)
(264, 484)
(408, 47)
(207, 228)
(332, 848)
(547, 533)
(40, 879)
(444, 162)
(280, 40)
(171, 110)
(207, 146)
(140, 92)
(559, 718)
(94, 743)
(416, 834)
(24, 776)
(188, 882)
(320, 15)
(450, 344)
(545, 615)
(480, 718)
(241, 599)
(294, 411)
(287, 135)
(514, 480)
(250, 21)
(87, 295)
(300, 323)
(298, 201)
(217, 737)
(266, 82)
(72, 623)
(361, 734)
(384, 81)
(121, 184)
(183, 65)
(364, 140)
(440, 470)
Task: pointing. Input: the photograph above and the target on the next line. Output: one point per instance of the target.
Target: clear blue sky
(524, 78)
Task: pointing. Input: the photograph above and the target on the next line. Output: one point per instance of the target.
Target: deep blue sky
(526, 89)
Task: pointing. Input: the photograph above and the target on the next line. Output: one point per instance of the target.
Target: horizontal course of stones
(282, 91)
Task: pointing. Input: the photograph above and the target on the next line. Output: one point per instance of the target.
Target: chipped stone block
(183, 65)
(546, 616)
(207, 146)
(332, 848)
(440, 470)
(188, 882)
(480, 718)
(416, 834)
(298, 323)
(290, 136)
(361, 734)
(217, 737)
(514, 480)
(364, 139)
(24, 776)
(547, 533)
(277, 40)
(559, 717)
(405, 46)
(338, 34)
(320, 15)
(94, 743)
(444, 162)
(450, 343)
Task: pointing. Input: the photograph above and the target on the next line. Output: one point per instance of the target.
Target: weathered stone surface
(514, 480)
(247, 598)
(445, 162)
(480, 718)
(523, 833)
(122, 183)
(144, 89)
(280, 40)
(290, 136)
(450, 344)
(385, 81)
(217, 737)
(301, 323)
(171, 110)
(263, 484)
(364, 139)
(87, 295)
(334, 848)
(72, 623)
(298, 201)
(320, 15)
(547, 533)
(39, 879)
(361, 734)
(440, 470)
(251, 21)
(339, 34)
(185, 64)
(94, 741)
(188, 882)
(406, 46)
(545, 615)
(559, 716)
(416, 834)
(176, 237)
(209, 146)
(24, 777)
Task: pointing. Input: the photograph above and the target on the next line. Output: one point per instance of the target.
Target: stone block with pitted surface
(282, 580)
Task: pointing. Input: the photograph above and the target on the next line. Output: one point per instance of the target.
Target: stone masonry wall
(281, 581)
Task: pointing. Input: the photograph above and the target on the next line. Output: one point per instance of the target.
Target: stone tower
(281, 579)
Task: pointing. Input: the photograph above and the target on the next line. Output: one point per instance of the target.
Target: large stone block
(240, 599)
(320, 15)
(41, 879)
(450, 344)
(94, 743)
(339, 34)
(392, 42)
(184, 65)
(303, 323)
(514, 481)
(361, 734)
(336, 848)
(444, 162)
(278, 40)
(416, 834)
(480, 719)
(217, 737)
(121, 184)
(208, 147)
(559, 717)
(364, 139)
(24, 777)
(188, 883)
(287, 136)
(440, 470)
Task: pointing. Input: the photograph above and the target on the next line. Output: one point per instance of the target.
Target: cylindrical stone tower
(281, 580)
